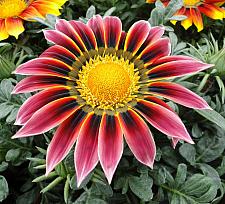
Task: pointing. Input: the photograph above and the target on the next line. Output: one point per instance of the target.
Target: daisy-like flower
(193, 9)
(100, 84)
(14, 12)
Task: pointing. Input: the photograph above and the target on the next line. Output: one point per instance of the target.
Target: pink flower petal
(154, 34)
(48, 117)
(113, 29)
(34, 83)
(163, 119)
(34, 103)
(64, 139)
(138, 137)
(86, 151)
(60, 38)
(85, 33)
(156, 50)
(178, 94)
(66, 28)
(136, 36)
(97, 25)
(60, 53)
(110, 144)
(44, 66)
(176, 68)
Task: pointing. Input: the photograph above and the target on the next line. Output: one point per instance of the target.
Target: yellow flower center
(12, 8)
(191, 3)
(108, 82)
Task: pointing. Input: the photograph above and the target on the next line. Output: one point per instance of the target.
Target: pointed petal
(66, 28)
(162, 103)
(156, 50)
(85, 33)
(60, 53)
(44, 66)
(86, 151)
(176, 69)
(136, 36)
(14, 26)
(64, 139)
(154, 34)
(97, 25)
(30, 13)
(3, 32)
(138, 137)
(163, 119)
(158, 101)
(113, 29)
(178, 94)
(212, 11)
(169, 59)
(35, 83)
(188, 21)
(48, 117)
(37, 101)
(60, 38)
(110, 144)
(122, 40)
(197, 18)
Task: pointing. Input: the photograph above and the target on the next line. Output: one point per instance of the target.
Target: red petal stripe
(48, 117)
(34, 103)
(176, 68)
(162, 103)
(156, 50)
(60, 53)
(178, 94)
(86, 151)
(85, 33)
(122, 40)
(64, 139)
(138, 137)
(60, 38)
(34, 83)
(136, 36)
(97, 25)
(44, 66)
(110, 144)
(113, 29)
(163, 119)
(154, 34)
(66, 28)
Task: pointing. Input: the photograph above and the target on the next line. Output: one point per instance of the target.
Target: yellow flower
(13, 12)
(193, 9)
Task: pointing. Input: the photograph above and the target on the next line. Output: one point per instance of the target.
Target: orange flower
(13, 12)
(193, 9)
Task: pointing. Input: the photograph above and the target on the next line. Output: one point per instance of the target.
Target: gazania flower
(100, 84)
(193, 9)
(13, 12)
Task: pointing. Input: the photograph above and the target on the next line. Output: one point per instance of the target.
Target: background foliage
(189, 174)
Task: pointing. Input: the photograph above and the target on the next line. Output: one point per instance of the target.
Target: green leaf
(4, 189)
(197, 189)
(141, 186)
(188, 152)
(210, 147)
(181, 175)
(5, 109)
(90, 12)
(213, 116)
